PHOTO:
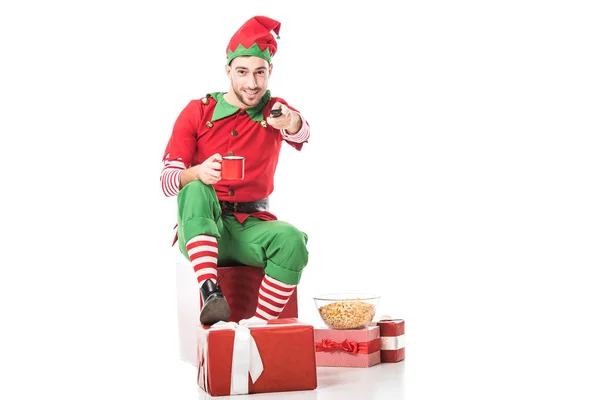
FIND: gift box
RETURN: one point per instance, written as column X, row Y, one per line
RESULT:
column 392, row 340
column 347, row 348
column 274, row 356
column 240, row 286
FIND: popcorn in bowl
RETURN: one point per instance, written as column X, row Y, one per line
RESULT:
column 347, row 310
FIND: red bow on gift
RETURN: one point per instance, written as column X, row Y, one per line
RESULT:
column 331, row 345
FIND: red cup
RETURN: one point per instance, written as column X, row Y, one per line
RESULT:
column 232, row 168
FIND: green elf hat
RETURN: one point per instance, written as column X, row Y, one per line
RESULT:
column 254, row 38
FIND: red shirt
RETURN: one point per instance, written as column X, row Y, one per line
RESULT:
column 202, row 130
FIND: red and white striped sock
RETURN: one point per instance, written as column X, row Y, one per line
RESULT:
column 272, row 298
column 203, row 252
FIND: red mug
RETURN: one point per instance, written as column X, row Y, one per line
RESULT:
column 232, row 168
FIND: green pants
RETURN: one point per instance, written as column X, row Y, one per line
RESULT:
column 277, row 246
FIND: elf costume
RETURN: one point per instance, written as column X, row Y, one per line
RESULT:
column 229, row 223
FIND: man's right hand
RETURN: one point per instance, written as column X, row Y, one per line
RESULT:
column 209, row 172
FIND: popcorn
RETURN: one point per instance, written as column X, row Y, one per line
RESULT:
column 347, row 314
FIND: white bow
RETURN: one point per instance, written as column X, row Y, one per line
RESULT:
column 246, row 357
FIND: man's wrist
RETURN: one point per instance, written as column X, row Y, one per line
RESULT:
column 295, row 125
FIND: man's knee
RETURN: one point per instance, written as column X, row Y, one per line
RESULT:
column 195, row 188
column 198, row 211
column 289, row 235
column 198, row 199
column 290, row 242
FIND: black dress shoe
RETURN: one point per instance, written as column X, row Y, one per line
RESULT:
column 214, row 304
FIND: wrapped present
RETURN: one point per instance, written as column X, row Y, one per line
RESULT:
column 240, row 285
column 347, row 348
column 392, row 340
column 256, row 357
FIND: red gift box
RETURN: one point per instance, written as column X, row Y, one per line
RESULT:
column 276, row 357
column 240, row 285
column 347, row 348
column 392, row 340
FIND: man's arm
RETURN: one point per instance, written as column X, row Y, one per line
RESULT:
column 187, row 176
column 292, row 125
column 170, row 177
column 180, row 149
column 295, row 125
column 209, row 172
column 175, row 177
column 300, row 135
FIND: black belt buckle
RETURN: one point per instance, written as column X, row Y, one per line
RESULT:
column 228, row 207
column 225, row 207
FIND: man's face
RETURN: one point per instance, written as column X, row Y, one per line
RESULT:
column 249, row 78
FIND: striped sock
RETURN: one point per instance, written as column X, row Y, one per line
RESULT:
column 272, row 298
column 203, row 252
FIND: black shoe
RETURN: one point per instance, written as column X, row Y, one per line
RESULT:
column 215, row 307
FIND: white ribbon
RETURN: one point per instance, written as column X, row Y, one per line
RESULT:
column 392, row 342
column 246, row 357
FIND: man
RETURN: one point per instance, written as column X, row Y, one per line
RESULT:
column 227, row 222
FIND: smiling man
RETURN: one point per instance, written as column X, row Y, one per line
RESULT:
column 227, row 222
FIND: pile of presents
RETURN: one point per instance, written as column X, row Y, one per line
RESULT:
column 245, row 356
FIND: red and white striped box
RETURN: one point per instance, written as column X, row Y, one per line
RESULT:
column 347, row 348
column 392, row 340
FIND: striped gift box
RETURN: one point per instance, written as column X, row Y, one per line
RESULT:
column 348, row 347
column 392, row 340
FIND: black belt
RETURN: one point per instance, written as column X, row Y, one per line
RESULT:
column 249, row 207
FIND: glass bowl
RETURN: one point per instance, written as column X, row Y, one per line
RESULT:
column 347, row 310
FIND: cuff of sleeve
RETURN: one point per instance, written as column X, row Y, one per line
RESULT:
column 282, row 274
column 300, row 136
column 171, row 180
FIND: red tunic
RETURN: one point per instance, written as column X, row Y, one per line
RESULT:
column 202, row 130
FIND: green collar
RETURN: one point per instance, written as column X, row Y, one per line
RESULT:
column 223, row 109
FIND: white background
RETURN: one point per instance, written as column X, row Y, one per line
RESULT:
column 452, row 168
